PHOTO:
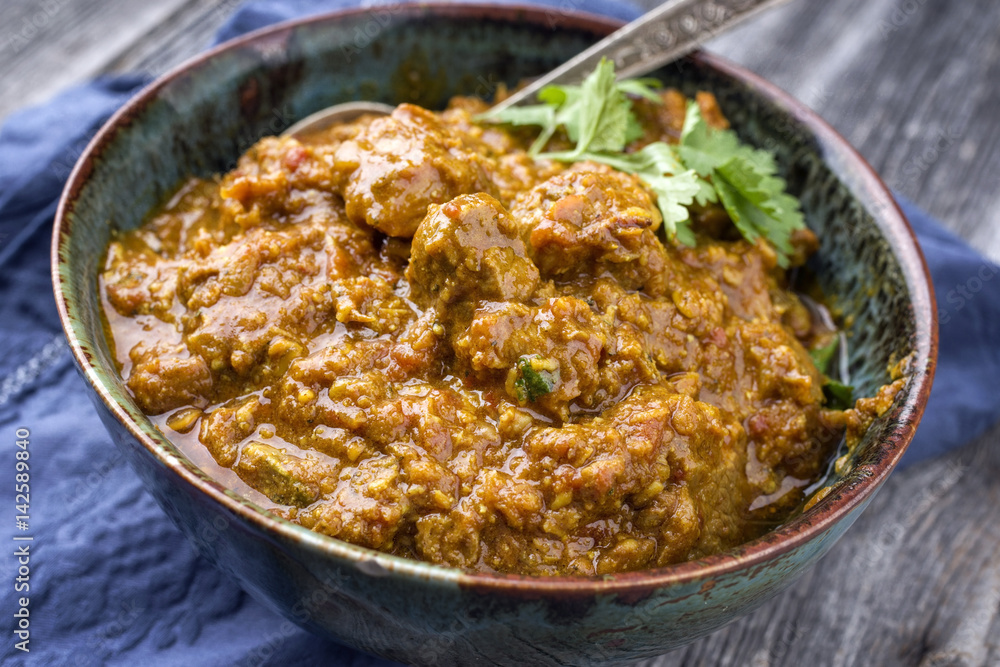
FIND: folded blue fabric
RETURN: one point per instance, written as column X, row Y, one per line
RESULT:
column 111, row 580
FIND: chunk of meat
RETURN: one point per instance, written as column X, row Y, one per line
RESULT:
column 226, row 427
column 278, row 176
column 409, row 333
column 367, row 505
column 469, row 248
column 137, row 282
column 590, row 362
column 629, row 489
column 710, row 111
column 744, row 274
column 401, row 164
column 587, row 216
column 283, row 478
column 670, row 328
column 166, row 376
column 510, row 167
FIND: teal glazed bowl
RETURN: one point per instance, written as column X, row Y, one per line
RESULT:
column 200, row 117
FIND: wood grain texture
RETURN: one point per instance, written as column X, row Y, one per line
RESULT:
column 910, row 83
column 913, row 85
column 47, row 45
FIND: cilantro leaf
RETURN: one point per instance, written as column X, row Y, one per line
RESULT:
column 702, row 148
column 596, row 115
column 838, row 395
column 656, row 157
column 634, row 130
column 743, row 179
column 532, row 383
column 707, row 166
column 542, row 115
column 673, row 195
column 822, row 356
column 536, row 114
column 758, row 205
column 565, row 101
column 602, row 126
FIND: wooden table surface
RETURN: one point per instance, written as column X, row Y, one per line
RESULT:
column 915, row 86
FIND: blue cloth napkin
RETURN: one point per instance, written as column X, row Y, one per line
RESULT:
column 111, row 580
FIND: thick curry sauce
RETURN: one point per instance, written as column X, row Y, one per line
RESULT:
column 406, row 333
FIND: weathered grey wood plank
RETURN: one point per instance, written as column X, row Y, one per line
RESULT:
column 912, row 84
column 184, row 33
column 47, row 45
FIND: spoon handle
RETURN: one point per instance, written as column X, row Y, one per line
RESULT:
column 657, row 37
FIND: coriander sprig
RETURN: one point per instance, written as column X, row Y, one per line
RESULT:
column 597, row 117
column 743, row 179
column 707, row 166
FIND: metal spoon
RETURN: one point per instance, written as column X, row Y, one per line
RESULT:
column 657, row 37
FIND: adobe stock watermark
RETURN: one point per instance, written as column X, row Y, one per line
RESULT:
column 899, row 16
column 961, row 294
column 85, row 487
column 101, row 641
column 308, row 606
column 23, row 539
column 890, row 536
column 788, row 634
column 380, row 16
column 918, row 165
column 208, row 532
column 554, row 16
column 30, row 27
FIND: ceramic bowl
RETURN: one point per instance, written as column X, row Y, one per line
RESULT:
column 200, row 117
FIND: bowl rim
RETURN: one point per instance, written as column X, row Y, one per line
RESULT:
column 853, row 491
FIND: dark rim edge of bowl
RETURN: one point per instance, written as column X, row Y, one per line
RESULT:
column 853, row 490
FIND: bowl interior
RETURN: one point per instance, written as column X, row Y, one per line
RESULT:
column 199, row 119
